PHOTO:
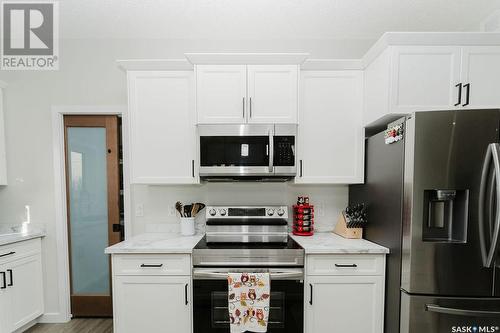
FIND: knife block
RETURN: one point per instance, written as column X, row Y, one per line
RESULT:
column 341, row 229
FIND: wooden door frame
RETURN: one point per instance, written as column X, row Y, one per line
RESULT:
column 63, row 314
column 93, row 305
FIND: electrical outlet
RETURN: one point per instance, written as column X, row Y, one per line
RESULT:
column 139, row 210
column 320, row 209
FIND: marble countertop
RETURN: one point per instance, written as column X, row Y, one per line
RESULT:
column 16, row 233
column 319, row 243
column 330, row 243
column 156, row 243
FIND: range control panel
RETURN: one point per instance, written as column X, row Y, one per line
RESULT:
column 247, row 212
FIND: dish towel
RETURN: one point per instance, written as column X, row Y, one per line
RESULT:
column 248, row 301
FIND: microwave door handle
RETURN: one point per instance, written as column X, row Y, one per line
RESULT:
column 271, row 151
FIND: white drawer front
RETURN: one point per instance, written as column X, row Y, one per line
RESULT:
column 20, row 249
column 151, row 264
column 345, row 264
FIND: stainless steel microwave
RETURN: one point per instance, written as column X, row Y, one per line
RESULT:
column 247, row 152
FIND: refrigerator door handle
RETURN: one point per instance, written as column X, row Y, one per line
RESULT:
column 492, row 153
column 460, row 312
column 482, row 199
column 495, row 153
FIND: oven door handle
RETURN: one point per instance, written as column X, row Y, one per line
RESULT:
column 221, row 275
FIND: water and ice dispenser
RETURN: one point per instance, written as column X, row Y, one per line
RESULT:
column 445, row 215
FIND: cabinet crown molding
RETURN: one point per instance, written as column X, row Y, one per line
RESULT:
column 430, row 39
column 246, row 58
column 155, row 65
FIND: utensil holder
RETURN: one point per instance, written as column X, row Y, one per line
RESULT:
column 341, row 229
column 187, row 226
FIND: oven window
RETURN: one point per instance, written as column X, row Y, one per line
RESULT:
column 220, row 312
column 211, row 307
column 234, row 151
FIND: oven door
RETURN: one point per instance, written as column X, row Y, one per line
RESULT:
column 210, row 304
column 236, row 150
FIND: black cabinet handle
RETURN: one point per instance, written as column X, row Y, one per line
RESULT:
column 459, row 94
column 346, row 265
column 467, row 94
column 311, row 296
column 7, row 254
column 152, row 265
column 192, row 168
column 4, row 281
column 300, row 168
column 11, row 280
column 186, row 294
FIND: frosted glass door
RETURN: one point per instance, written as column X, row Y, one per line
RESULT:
column 92, row 181
column 88, row 210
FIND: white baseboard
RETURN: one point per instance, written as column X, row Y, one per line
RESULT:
column 54, row 318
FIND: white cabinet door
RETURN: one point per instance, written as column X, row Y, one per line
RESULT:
column 162, row 132
column 221, row 92
column 331, row 136
column 272, row 93
column 353, row 304
column 424, row 78
column 3, row 162
column 481, row 69
column 22, row 300
column 152, row 304
column 5, row 302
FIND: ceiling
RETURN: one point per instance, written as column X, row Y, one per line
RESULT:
column 267, row 19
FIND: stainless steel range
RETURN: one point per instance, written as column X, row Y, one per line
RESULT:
column 248, row 239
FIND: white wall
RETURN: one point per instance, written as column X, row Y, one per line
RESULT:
column 88, row 76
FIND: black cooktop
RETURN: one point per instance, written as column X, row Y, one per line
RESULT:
column 291, row 244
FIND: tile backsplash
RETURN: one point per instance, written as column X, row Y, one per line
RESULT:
column 153, row 206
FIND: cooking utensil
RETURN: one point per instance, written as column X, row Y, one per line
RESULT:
column 187, row 211
column 178, row 207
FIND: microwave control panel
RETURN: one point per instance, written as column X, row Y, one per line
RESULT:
column 284, row 150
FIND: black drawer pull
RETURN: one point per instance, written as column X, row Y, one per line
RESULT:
column 11, row 283
column 152, row 265
column 186, row 294
column 4, row 281
column 7, row 254
column 346, row 265
column 311, row 298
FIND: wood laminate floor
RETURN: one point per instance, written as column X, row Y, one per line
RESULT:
column 78, row 325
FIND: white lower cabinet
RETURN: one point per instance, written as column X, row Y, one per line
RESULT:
column 151, row 298
column 350, row 299
column 21, row 284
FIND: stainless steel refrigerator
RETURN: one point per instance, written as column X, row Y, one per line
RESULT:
column 434, row 199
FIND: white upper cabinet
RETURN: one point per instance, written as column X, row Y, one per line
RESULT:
column 228, row 94
column 331, row 135
column 272, row 93
column 162, row 129
column 3, row 161
column 424, row 77
column 436, row 72
column 480, row 76
column 221, row 92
